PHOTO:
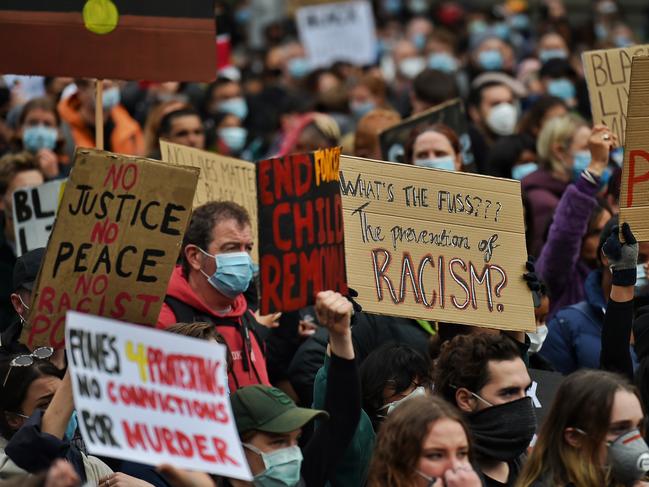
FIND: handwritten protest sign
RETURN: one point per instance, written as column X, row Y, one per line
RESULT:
column 437, row 245
column 34, row 211
column 394, row 140
column 114, row 244
column 119, row 39
column 608, row 72
column 222, row 178
column 300, row 229
column 634, row 192
column 152, row 397
column 328, row 31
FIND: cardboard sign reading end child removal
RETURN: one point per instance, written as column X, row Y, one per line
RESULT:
column 114, row 244
column 435, row 245
column 634, row 192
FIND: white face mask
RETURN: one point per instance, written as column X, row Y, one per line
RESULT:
column 502, row 119
column 537, row 338
column 410, row 67
column 391, row 406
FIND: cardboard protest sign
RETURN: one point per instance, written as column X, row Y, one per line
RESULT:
column 394, row 140
column 159, row 40
column 329, row 31
column 114, row 244
column 152, row 397
column 544, row 387
column 607, row 73
column 434, row 244
column 34, row 211
column 634, row 192
column 222, row 178
column 300, row 229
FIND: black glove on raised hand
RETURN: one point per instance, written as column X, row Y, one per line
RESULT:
column 622, row 256
column 534, row 282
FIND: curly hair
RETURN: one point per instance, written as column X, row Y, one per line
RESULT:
column 399, row 442
column 463, row 362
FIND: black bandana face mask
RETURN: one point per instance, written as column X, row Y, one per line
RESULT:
column 504, row 432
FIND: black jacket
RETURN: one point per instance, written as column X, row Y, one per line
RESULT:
column 368, row 333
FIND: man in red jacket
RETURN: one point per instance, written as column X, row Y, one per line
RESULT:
column 208, row 286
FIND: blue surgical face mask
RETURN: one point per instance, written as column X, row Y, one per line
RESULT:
column 111, row 98
column 447, row 163
column 235, row 106
column 617, row 156
column 519, row 171
column 392, row 7
column 546, row 54
column 562, row 88
column 233, row 273
column 419, row 40
column 299, row 67
column 622, row 41
column 39, row 137
column 580, row 161
column 233, row 137
column 501, row 30
column 362, row 108
column 282, row 467
column 491, row 60
column 520, row 22
column 72, row 427
column 442, row 61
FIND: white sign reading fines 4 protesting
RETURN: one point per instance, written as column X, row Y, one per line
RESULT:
column 152, row 397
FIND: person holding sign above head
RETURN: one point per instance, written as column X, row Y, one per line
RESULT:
column 436, row 147
column 210, row 283
column 270, row 424
column 485, row 377
column 16, row 171
column 121, row 132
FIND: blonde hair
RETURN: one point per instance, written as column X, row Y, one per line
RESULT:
column 561, row 131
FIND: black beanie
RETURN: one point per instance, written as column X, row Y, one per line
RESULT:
column 641, row 332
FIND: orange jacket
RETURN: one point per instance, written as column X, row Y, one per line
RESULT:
column 126, row 137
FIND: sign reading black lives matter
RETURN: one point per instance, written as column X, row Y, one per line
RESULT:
column 300, row 229
column 394, row 140
column 434, row 244
column 114, row 243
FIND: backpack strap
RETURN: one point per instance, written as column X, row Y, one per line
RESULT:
column 183, row 312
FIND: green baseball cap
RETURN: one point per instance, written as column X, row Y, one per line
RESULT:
column 268, row 409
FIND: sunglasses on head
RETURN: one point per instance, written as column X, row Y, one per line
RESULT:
column 41, row 353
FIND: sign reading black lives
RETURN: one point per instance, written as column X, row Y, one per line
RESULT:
column 302, row 249
column 394, row 140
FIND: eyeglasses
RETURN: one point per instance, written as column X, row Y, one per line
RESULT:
column 41, row 353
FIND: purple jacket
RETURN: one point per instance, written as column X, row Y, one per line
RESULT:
column 542, row 192
column 559, row 264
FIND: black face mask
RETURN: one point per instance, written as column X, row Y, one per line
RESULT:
column 504, row 432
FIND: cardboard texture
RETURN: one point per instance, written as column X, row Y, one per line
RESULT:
column 114, row 244
column 157, row 40
column 607, row 73
column 133, row 386
column 221, row 178
column 327, row 31
column 634, row 192
column 394, row 140
column 34, row 212
column 302, row 247
column 436, row 245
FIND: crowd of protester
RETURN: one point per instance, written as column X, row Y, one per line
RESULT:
column 332, row 395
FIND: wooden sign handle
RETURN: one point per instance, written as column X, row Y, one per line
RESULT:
column 99, row 114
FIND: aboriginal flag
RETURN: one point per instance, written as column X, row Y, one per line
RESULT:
column 158, row 40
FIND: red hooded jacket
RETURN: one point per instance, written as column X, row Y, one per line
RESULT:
column 248, row 362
